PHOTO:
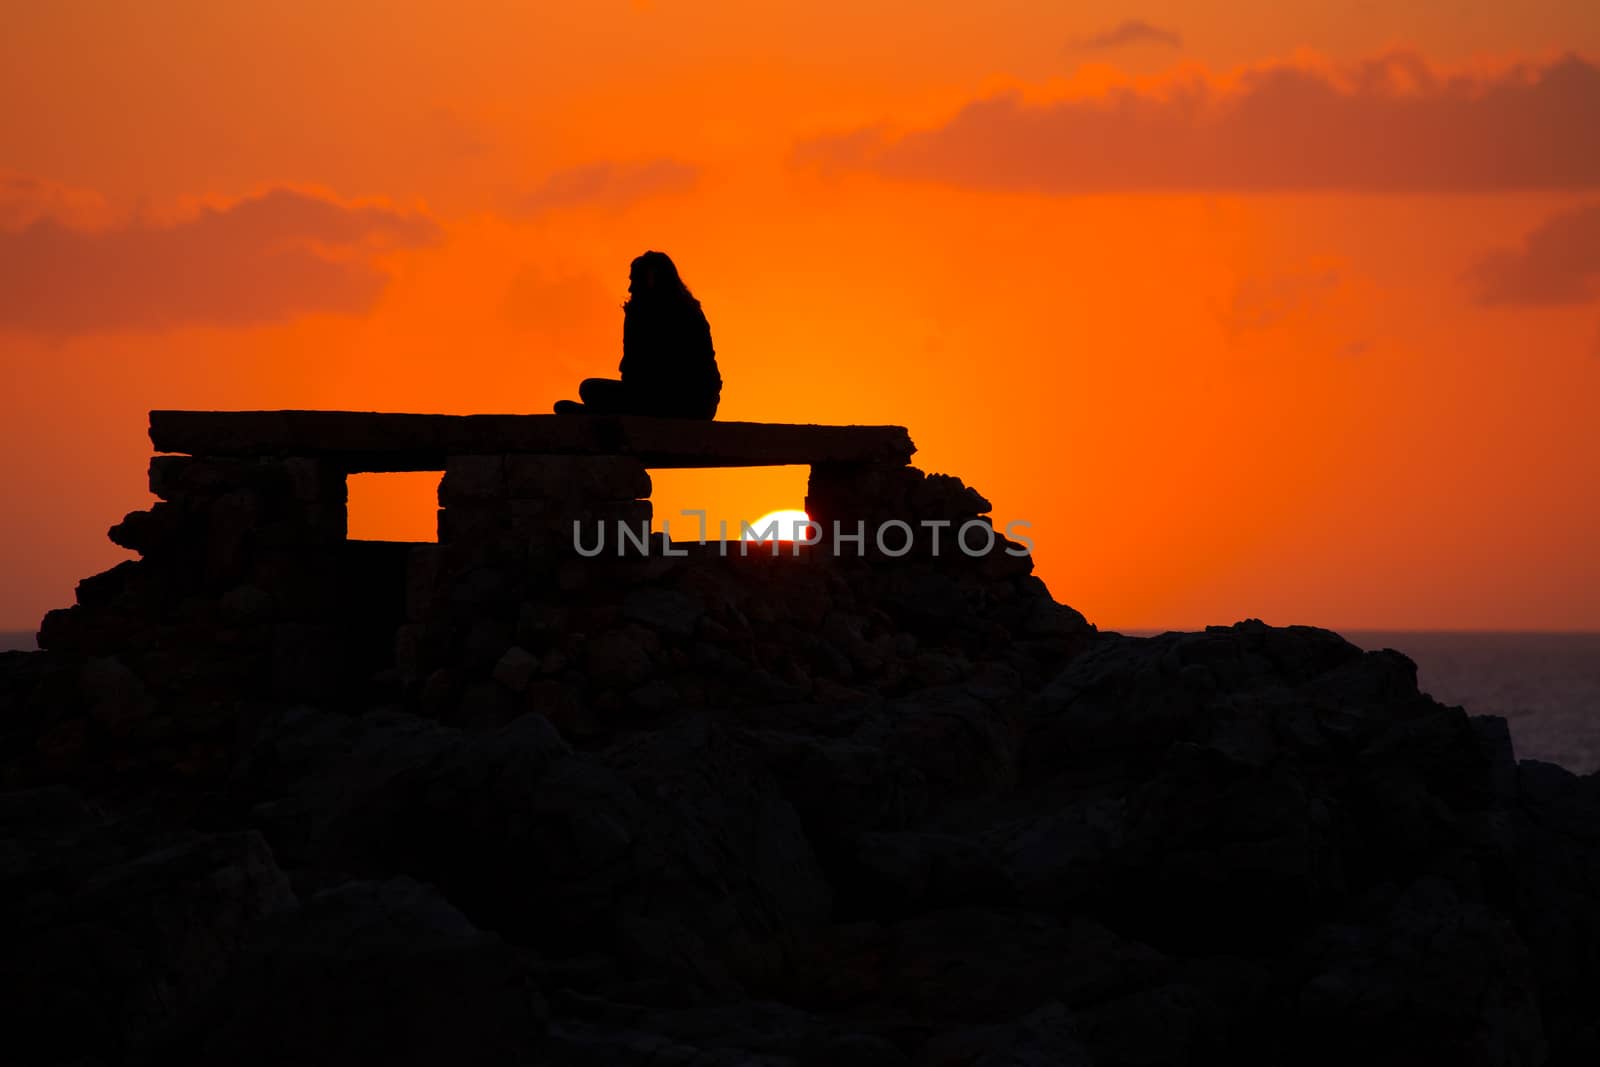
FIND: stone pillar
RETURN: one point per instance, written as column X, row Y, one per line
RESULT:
column 530, row 502
column 851, row 493
column 923, row 513
column 235, row 597
column 473, row 646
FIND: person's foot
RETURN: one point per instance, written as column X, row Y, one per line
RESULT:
column 568, row 407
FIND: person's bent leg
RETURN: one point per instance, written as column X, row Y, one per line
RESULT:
column 606, row 396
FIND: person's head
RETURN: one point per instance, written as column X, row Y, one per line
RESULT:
column 654, row 276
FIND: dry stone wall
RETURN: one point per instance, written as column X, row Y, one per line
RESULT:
column 545, row 591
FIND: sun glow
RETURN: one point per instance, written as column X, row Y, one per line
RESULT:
column 784, row 525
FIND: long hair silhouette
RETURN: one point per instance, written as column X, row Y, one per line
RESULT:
column 669, row 367
column 654, row 275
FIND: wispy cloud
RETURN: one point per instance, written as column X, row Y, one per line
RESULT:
column 1261, row 301
column 1389, row 125
column 610, row 183
column 264, row 258
column 1557, row 263
column 1125, row 33
column 25, row 199
column 1323, row 297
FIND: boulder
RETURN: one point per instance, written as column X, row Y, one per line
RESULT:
column 369, row 972
column 114, row 929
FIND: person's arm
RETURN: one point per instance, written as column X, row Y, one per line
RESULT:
column 630, row 343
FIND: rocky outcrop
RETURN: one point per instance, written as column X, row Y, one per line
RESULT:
column 367, row 972
column 115, row 927
column 743, row 809
column 1253, row 843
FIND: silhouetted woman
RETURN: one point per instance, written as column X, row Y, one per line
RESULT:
column 668, row 365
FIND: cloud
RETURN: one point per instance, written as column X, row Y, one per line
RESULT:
column 1388, row 125
column 265, row 258
column 1557, row 263
column 1128, row 32
column 447, row 133
column 26, row 199
column 610, row 183
column 1262, row 301
column 566, row 314
column 1318, row 305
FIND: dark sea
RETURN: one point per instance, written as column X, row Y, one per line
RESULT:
column 1546, row 685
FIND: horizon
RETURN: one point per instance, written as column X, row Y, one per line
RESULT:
column 1148, row 631
column 1091, row 258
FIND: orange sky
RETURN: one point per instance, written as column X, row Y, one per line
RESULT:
column 1251, row 308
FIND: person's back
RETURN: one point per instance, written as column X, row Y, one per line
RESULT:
column 669, row 367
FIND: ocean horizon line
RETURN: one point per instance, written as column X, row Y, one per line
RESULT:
column 25, row 638
column 1139, row 631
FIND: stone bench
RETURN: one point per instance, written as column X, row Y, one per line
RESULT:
column 378, row 441
column 245, row 559
column 517, row 476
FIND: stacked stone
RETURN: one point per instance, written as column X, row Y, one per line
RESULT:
column 236, row 595
column 243, row 540
column 885, row 501
column 485, row 606
column 529, row 503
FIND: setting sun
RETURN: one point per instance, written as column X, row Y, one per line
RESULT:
column 785, row 525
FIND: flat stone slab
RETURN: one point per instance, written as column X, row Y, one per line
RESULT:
column 370, row 441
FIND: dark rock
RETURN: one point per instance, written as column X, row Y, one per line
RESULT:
column 103, row 588
column 971, row 965
column 472, row 478
column 890, row 874
column 681, row 827
column 732, row 806
column 718, row 844
column 147, row 532
column 1556, row 823
column 1056, row 862
column 1216, row 855
column 516, row 668
column 1045, row 1037
column 620, row 657
column 1432, row 976
column 1213, row 1009
column 246, row 604
column 369, row 972
column 955, row 740
column 735, row 1034
column 112, row 930
column 666, row 610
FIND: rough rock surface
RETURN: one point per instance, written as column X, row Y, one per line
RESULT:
column 1254, row 843
column 274, row 798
